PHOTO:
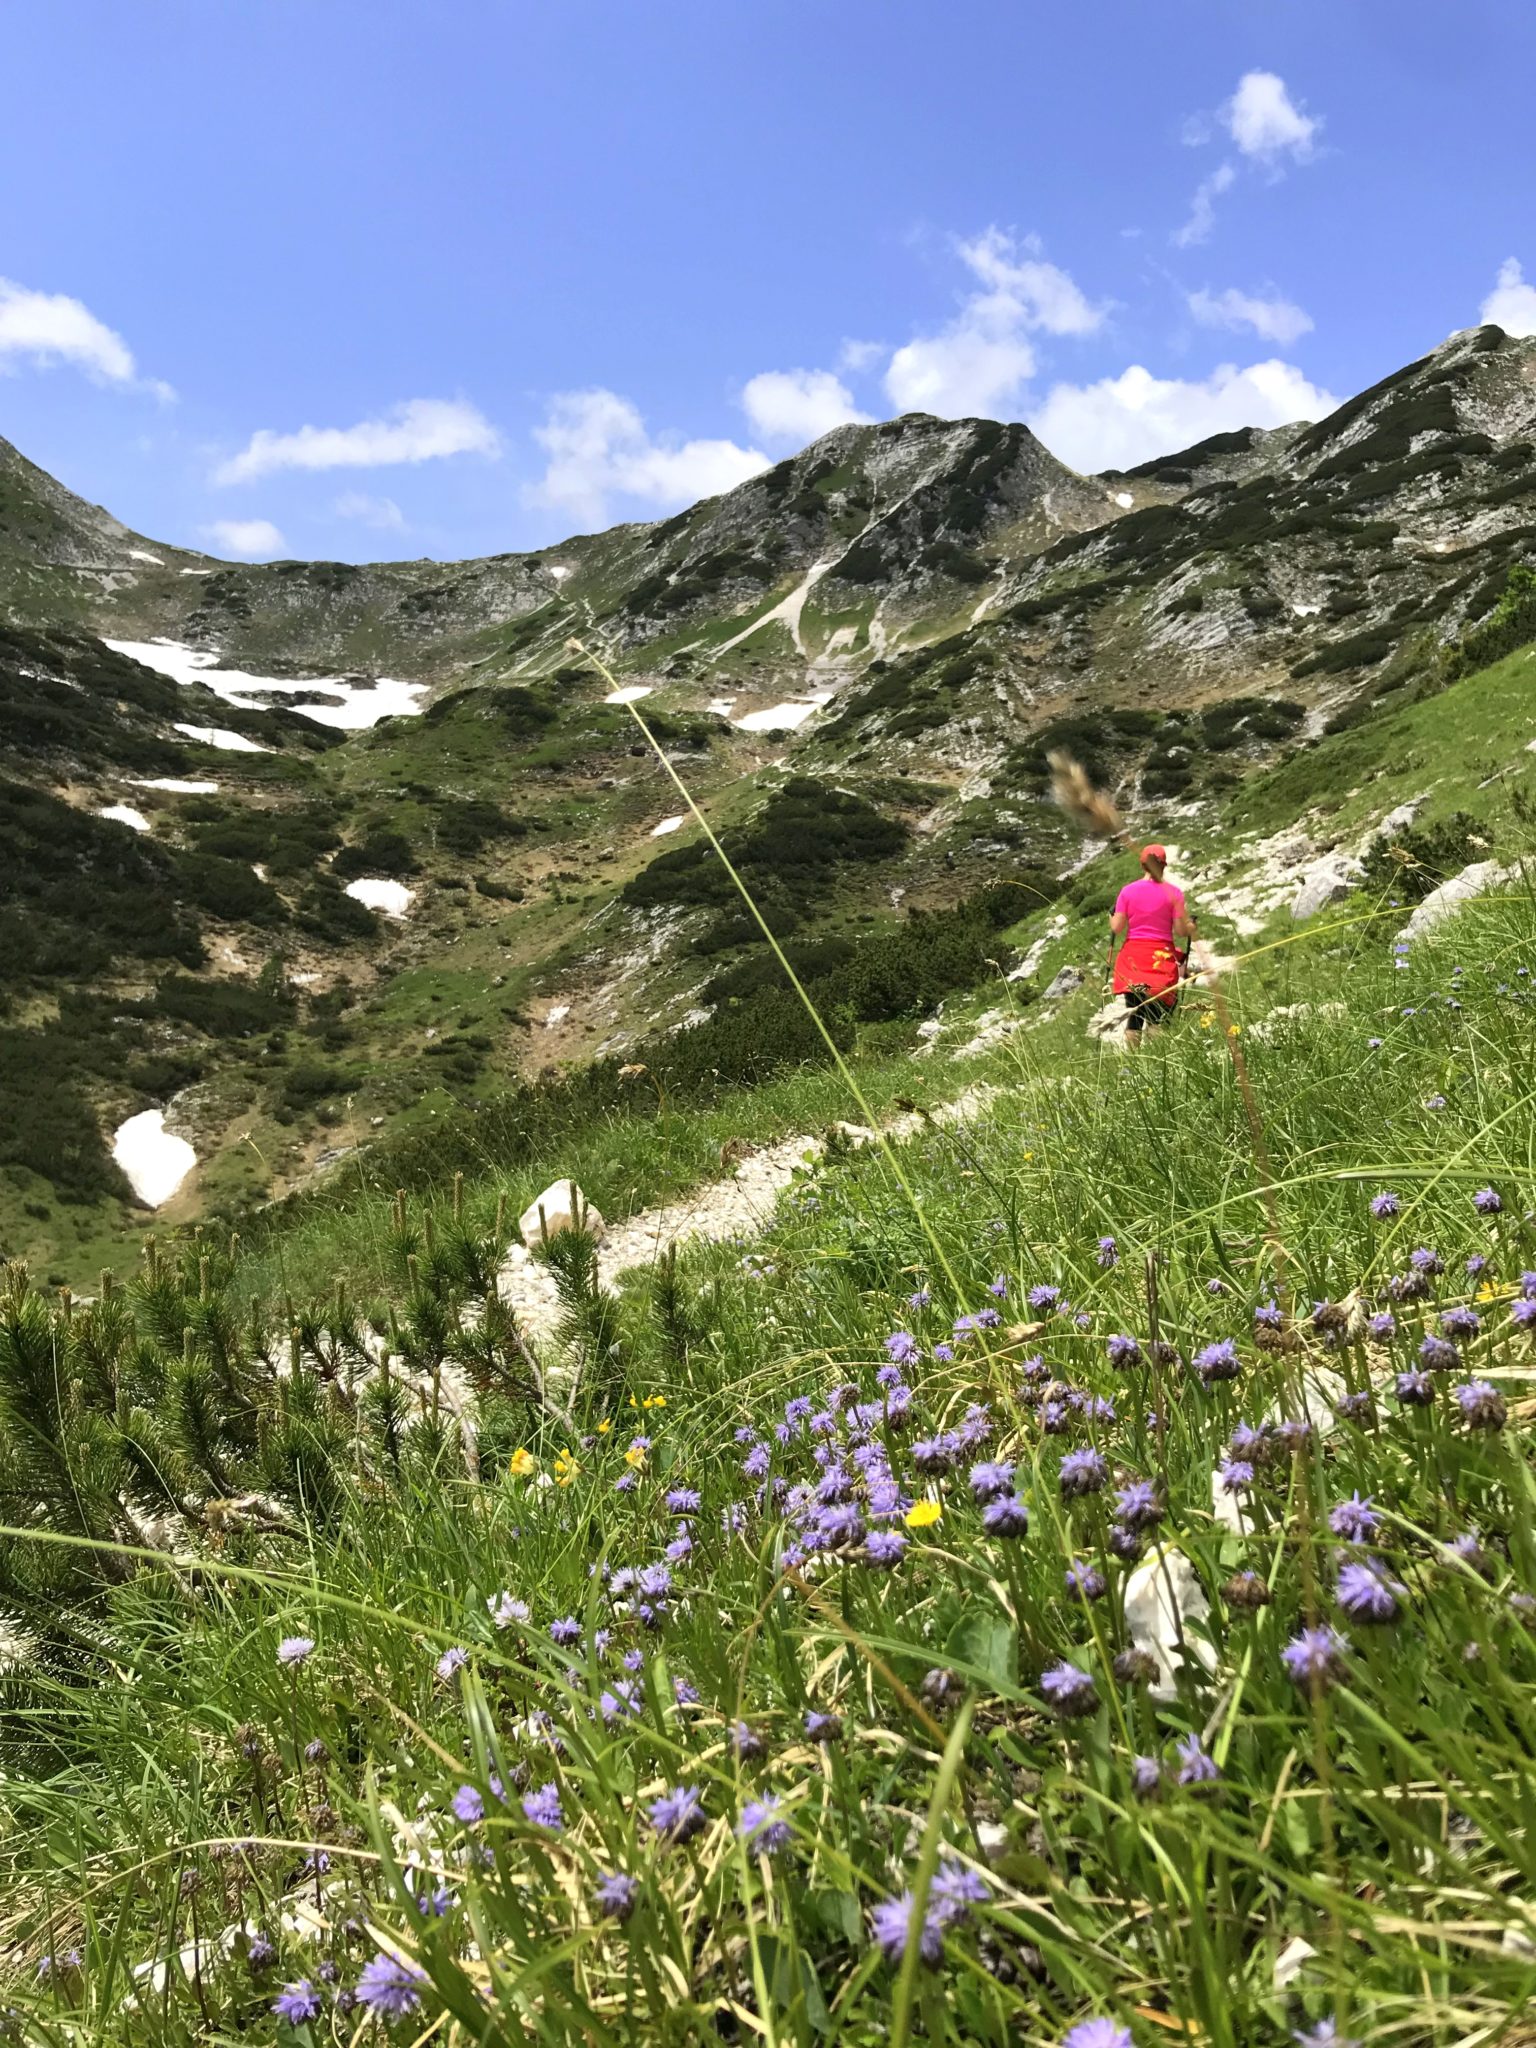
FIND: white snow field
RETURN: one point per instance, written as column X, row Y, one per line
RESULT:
column 155, row 1161
column 174, row 785
column 630, row 694
column 776, row 718
column 217, row 736
column 359, row 705
column 668, row 825
column 393, row 898
column 125, row 814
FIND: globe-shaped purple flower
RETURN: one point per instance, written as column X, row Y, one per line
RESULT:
column 1481, row 1404
column 1315, row 1660
column 1070, row 1692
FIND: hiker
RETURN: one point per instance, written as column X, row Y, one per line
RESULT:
column 1149, row 916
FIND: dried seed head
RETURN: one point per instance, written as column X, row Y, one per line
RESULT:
column 1074, row 793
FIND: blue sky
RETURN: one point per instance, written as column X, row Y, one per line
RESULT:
column 323, row 278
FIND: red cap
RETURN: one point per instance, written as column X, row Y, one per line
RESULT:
column 1157, row 853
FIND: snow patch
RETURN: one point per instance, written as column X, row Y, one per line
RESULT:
column 196, row 572
column 393, row 898
column 216, row 736
column 175, row 785
column 631, row 693
column 1124, row 500
column 125, row 814
column 155, row 1161
column 1306, row 611
column 358, row 706
column 143, row 555
column 557, row 1015
column 557, row 572
column 777, row 718
column 668, row 825
column 722, row 706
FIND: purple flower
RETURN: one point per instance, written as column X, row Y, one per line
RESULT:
column 1109, row 1252
column 1364, row 1595
column 297, row 2004
column 1426, row 1261
column 755, row 1464
column 294, row 1649
column 1386, row 1204
column 1069, row 1691
column 259, row 1954
column 565, row 1632
column 1124, row 1352
column 1461, row 1322
column 920, row 1299
column 1382, row 1327
column 1487, row 1202
column 1235, row 1474
column 1086, row 1581
column 467, row 1804
column 934, row 1454
column 1314, row 1660
column 390, row 1988
column 1481, row 1405
column 1044, row 1297
column 617, row 1895
column 504, row 1610
column 680, row 1549
column 943, row 1354
column 955, row 1890
column 903, row 1348
column 1415, row 1389
column 1138, row 1506
column 1082, row 1471
column 1438, row 1354
column 452, row 1660
column 998, row 1287
column 841, row 1528
column 1100, row 2033
column 823, row 1727
column 654, row 1581
column 678, row 1816
column 684, row 1500
column 1006, row 1516
column 1146, row 1776
column 1324, row 2035
column 764, row 1828
column 746, row 1742
column 1215, row 1287
column 1522, row 1313
column 685, row 1694
column 884, row 1547
column 1124, row 1543
column 1354, row 1519
column 990, row 1480
column 1195, row 1767
column 1218, row 1361
column 891, row 1922
column 543, row 1807
column 1475, row 1265
column 1267, row 1316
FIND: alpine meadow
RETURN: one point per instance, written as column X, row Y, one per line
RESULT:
column 631, row 1413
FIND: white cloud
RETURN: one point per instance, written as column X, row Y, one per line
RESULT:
column 598, row 446
column 1047, row 296
column 1265, row 122
column 798, row 405
column 1120, row 421
column 1512, row 302
column 44, row 328
column 370, row 511
column 858, row 356
column 248, row 540
column 1274, row 318
column 1202, row 208
column 421, row 430
column 980, row 362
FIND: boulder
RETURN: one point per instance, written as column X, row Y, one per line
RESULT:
column 1324, row 882
column 1443, row 902
column 564, row 1207
column 1067, row 982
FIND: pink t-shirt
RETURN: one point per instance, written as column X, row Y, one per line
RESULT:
column 1151, row 908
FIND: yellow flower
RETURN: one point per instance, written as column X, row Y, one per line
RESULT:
column 521, row 1463
column 566, row 1468
column 604, row 1427
column 635, row 1456
column 1234, row 1031
column 1207, row 1019
column 654, row 1401
column 923, row 1514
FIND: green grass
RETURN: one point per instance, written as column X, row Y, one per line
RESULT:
column 162, row 1779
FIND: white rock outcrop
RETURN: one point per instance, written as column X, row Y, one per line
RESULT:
column 1325, row 881
column 1443, row 902
column 1163, row 1598
column 562, row 1206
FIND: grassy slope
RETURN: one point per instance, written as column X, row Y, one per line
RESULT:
column 1324, row 1825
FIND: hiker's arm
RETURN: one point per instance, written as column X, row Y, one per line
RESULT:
column 1184, row 926
column 1118, row 922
